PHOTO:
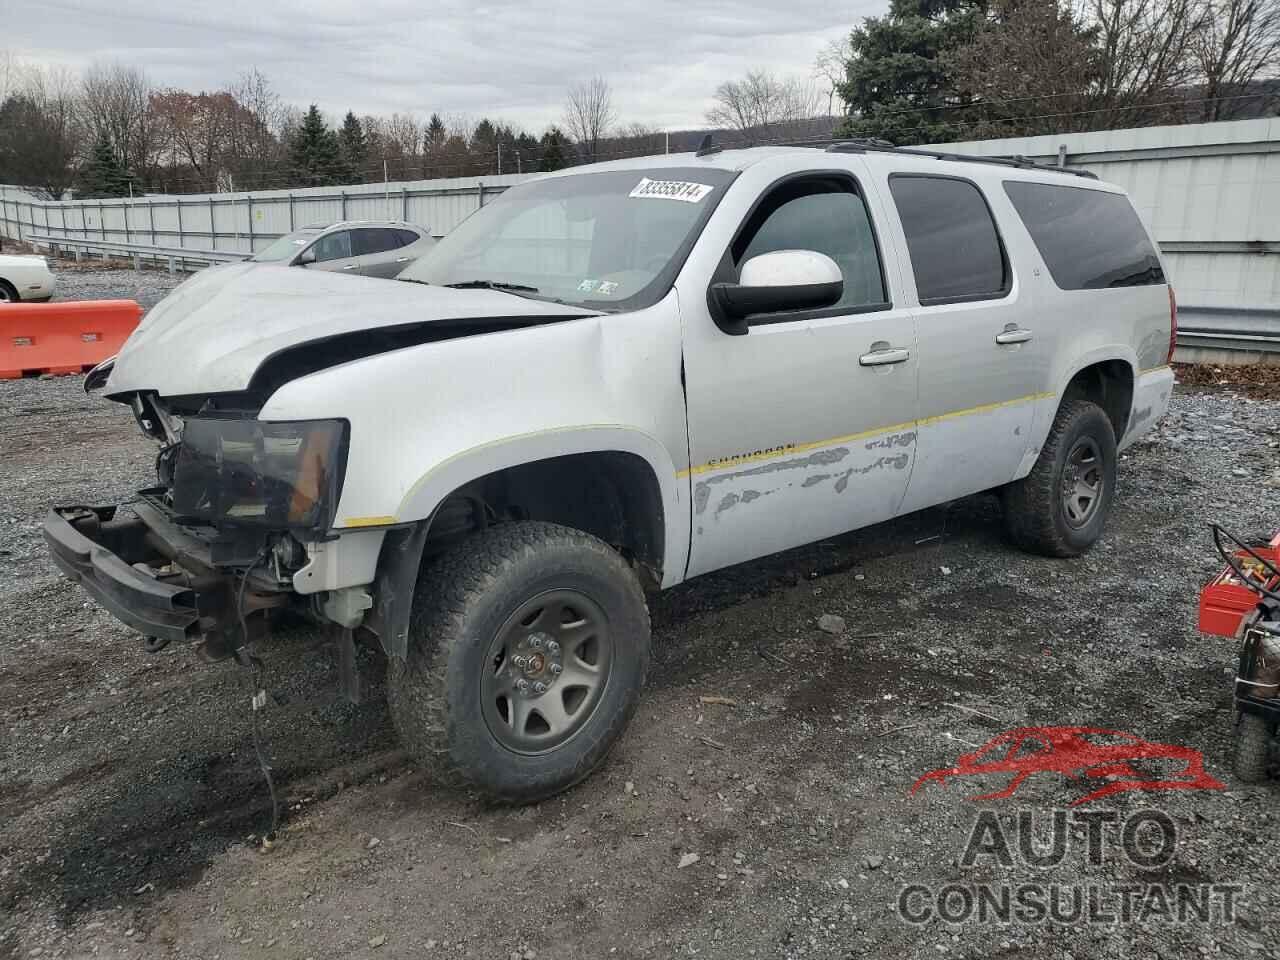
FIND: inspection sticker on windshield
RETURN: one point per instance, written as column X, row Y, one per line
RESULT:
column 683, row 190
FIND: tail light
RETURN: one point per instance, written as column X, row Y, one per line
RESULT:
column 1173, row 324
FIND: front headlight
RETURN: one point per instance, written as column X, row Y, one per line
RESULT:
column 279, row 475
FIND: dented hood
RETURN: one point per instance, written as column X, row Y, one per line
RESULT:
column 213, row 332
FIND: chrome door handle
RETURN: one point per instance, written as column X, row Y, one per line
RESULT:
column 350, row 266
column 403, row 259
column 878, row 358
column 1013, row 336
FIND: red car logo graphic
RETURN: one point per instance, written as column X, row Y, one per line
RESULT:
column 1077, row 753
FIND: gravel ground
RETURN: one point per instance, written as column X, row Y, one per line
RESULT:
column 129, row 795
column 86, row 281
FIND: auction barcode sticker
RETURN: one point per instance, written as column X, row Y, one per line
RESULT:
column 683, row 190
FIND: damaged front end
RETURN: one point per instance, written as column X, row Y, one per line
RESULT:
column 238, row 508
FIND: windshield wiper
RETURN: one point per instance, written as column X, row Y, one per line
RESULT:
column 492, row 285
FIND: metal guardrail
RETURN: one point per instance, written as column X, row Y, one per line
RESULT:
column 1230, row 329
column 178, row 258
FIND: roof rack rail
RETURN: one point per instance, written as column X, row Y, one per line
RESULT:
column 873, row 145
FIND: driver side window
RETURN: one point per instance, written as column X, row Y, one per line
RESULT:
column 826, row 215
column 334, row 246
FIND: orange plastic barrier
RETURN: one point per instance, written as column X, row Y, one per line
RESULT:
column 62, row 338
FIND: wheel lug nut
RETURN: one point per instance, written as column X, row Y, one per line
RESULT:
column 553, row 647
column 539, row 687
column 556, row 668
column 535, row 642
column 522, row 685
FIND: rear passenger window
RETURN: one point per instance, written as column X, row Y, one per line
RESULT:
column 825, row 215
column 1088, row 238
column 371, row 240
column 954, row 245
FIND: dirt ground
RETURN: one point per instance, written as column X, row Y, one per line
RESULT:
column 131, row 803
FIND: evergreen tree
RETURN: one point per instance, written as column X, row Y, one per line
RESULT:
column 354, row 148
column 436, row 133
column 103, row 175
column 314, row 153
column 897, row 85
column 555, row 150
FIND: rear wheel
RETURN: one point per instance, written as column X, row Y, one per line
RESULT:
column 1061, row 506
column 528, row 648
column 1253, row 737
column 8, row 294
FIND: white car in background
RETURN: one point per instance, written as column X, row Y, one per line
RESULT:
column 25, row 278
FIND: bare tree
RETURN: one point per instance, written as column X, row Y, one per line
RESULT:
column 1033, row 69
column 39, row 136
column 257, row 132
column 114, row 106
column 1146, row 57
column 761, row 105
column 589, row 114
column 640, row 140
column 829, row 69
column 1237, row 44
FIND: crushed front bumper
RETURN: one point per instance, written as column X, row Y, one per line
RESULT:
column 152, row 574
column 94, row 547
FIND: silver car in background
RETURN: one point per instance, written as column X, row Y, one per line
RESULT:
column 371, row 248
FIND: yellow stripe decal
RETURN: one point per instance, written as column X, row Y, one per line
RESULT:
column 367, row 521
column 1157, row 369
column 850, row 437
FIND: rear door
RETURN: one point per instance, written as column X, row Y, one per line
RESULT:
column 381, row 250
column 982, row 368
column 335, row 253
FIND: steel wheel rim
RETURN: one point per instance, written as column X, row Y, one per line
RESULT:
column 1083, row 483
column 545, row 671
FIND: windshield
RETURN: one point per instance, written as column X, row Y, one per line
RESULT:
column 285, row 248
column 609, row 241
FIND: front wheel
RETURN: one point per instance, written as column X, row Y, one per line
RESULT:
column 528, row 648
column 1061, row 506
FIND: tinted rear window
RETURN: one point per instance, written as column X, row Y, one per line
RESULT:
column 954, row 246
column 1088, row 238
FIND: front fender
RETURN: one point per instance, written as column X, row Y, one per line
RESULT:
column 428, row 419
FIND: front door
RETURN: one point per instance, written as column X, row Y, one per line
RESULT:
column 335, row 253
column 804, row 426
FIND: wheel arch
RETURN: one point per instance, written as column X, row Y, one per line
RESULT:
column 618, row 485
column 1106, row 379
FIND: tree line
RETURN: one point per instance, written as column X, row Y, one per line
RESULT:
column 926, row 71
column 110, row 132
column 932, row 71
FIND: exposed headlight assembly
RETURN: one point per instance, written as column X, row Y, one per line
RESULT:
column 252, row 473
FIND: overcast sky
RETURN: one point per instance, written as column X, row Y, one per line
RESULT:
column 515, row 61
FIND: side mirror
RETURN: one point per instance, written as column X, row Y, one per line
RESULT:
column 782, row 281
column 306, row 257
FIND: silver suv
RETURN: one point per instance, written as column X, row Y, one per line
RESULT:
column 609, row 380
column 372, row 248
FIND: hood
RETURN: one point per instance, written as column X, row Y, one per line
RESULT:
column 212, row 333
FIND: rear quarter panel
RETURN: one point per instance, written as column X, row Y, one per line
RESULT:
column 1084, row 327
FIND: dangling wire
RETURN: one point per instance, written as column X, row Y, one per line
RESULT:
column 258, row 696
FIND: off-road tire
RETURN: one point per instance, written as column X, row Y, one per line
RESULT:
column 1034, row 515
column 461, row 602
column 1253, row 738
